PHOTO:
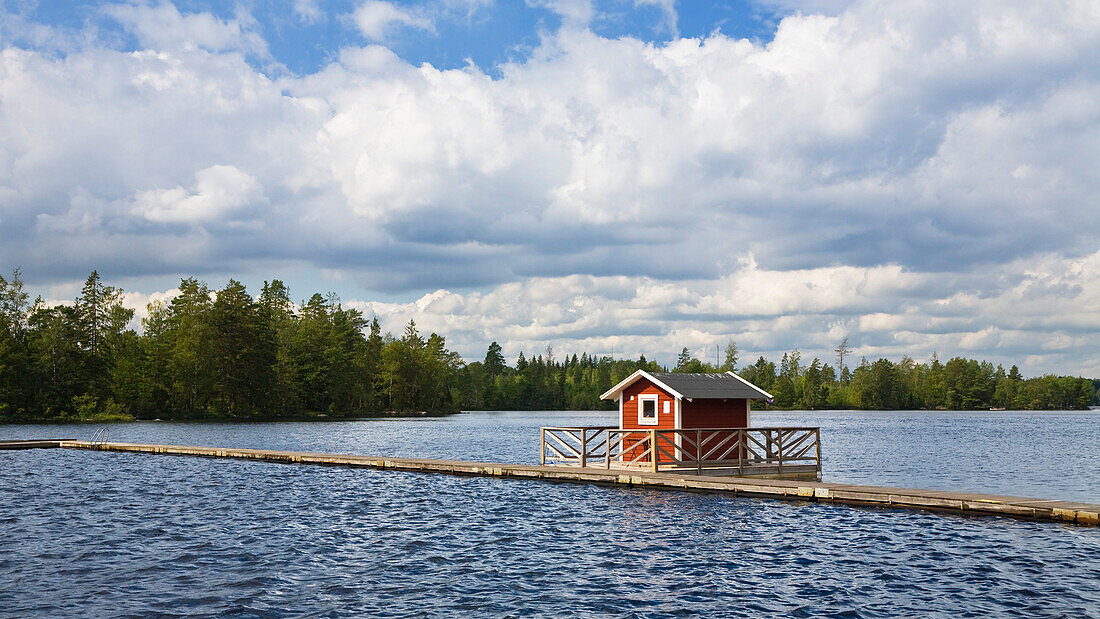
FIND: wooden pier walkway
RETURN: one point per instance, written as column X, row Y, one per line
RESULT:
column 966, row 503
column 31, row 444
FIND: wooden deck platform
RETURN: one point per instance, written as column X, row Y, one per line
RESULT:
column 965, row 503
column 788, row 452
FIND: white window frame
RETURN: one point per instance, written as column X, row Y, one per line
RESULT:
column 642, row 399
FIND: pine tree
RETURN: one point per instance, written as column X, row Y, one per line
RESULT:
column 15, row 385
column 494, row 360
column 682, row 360
column 101, row 319
column 190, row 336
column 243, row 353
column 730, row 363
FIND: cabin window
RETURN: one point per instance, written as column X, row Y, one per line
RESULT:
column 647, row 410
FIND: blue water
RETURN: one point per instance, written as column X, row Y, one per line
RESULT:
column 108, row 534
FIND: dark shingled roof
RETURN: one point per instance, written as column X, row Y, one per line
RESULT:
column 707, row 385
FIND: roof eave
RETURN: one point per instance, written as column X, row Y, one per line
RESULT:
column 614, row 392
column 762, row 392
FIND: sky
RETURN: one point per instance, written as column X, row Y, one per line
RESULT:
column 617, row 177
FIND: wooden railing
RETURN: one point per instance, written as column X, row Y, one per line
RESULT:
column 733, row 451
column 579, row 446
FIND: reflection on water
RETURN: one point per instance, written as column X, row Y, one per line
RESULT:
column 105, row 534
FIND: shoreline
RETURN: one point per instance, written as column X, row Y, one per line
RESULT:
column 243, row 420
column 425, row 415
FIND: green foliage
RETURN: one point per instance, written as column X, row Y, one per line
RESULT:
column 494, row 360
column 87, row 408
column 686, row 362
column 15, row 358
column 212, row 355
column 57, row 369
column 243, row 354
column 576, row 383
column 730, row 363
column 229, row 355
column 960, row 384
column 543, row 383
column 13, row 305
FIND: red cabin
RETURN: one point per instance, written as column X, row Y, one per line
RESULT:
column 672, row 401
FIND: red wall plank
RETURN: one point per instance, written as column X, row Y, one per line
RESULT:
column 732, row 413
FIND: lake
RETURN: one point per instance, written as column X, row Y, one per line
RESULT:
column 128, row 534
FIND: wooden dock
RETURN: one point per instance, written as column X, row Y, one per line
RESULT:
column 964, row 503
column 32, row 444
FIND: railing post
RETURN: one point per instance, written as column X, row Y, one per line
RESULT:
column 779, row 449
column 653, row 448
column 817, row 448
column 542, row 446
column 742, row 446
column 607, row 452
column 584, row 447
column 698, row 452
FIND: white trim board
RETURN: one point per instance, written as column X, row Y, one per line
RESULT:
column 629, row 380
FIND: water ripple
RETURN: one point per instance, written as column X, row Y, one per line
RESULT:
column 94, row 534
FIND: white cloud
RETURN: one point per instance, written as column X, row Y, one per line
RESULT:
column 574, row 13
column 308, row 11
column 883, row 311
column 163, row 27
column 139, row 302
column 376, row 18
column 220, row 193
column 919, row 173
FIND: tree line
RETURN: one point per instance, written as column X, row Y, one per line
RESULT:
column 228, row 355
column 207, row 354
column 543, row 383
column 958, row 384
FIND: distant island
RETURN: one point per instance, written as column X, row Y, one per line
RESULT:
column 229, row 355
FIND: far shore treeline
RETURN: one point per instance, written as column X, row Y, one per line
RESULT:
column 228, row 355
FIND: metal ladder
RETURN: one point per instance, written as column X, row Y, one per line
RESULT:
column 100, row 437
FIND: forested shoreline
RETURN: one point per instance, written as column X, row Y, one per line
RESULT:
column 228, row 355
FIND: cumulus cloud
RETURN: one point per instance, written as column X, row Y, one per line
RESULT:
column 1007, row 314
column 898, row 170
column 376, row 18
column 220, row 193
column 163, row 27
